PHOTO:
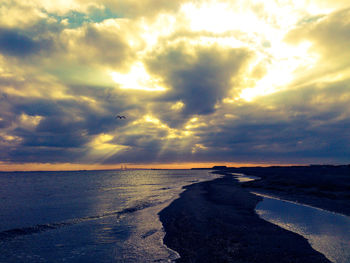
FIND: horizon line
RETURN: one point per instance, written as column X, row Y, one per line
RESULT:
column 48, row 167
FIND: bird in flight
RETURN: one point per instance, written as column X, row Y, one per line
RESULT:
column 120, row 117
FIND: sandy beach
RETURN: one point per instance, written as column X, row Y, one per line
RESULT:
column 215, row 222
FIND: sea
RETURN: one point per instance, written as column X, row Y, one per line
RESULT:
column 88, row 216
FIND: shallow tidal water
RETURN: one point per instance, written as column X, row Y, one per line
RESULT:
column 88, row 216
column 327, row 232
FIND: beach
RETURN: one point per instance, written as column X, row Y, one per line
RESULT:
column 156, row 215
column 215, row 221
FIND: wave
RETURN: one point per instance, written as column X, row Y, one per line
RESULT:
column 16, row 232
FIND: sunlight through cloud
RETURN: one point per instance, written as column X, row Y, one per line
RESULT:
column 193, row 78
column 281, row 72
column 137, row 79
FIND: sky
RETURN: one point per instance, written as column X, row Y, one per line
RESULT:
column 200, row 82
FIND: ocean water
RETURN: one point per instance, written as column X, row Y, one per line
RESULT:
column 88, row 216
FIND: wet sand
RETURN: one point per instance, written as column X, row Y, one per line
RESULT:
column 215, row 221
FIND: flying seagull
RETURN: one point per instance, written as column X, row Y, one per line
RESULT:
column 120, row 117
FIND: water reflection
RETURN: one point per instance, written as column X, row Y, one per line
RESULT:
column 245, row 178
column 327, row 232
column 88, row 216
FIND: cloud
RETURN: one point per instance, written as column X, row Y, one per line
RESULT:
column 300, row 126
column 59, row 97
column 199, row 78
column 58, row 125
column 14, row 43
column 329, row 35
column 102, row 43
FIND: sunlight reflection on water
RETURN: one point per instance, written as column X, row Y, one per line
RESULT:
column 327, row 232
column 245, row 178
column 88, row 216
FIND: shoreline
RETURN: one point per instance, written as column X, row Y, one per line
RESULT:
column 324, row 187
column 215, row 221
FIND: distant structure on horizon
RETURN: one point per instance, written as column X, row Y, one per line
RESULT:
column 123, row 167
column 219, row 167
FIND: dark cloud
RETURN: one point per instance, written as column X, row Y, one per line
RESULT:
column 44, row 155
column 91, row 45
column 65, row 128
column 60, row 139
column 300, row 129
column 32, row 106
column 199, row 80
column 108, row 45
column 308, row 127
column 14, row 43
column 5, row 112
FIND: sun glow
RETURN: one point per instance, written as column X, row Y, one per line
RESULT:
column 177, row 106
column 199, row 17
column 281, row 71
column 102, row 142
column 137, row 79
column 240, row 24
column 225, row 18
column 172, row 133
